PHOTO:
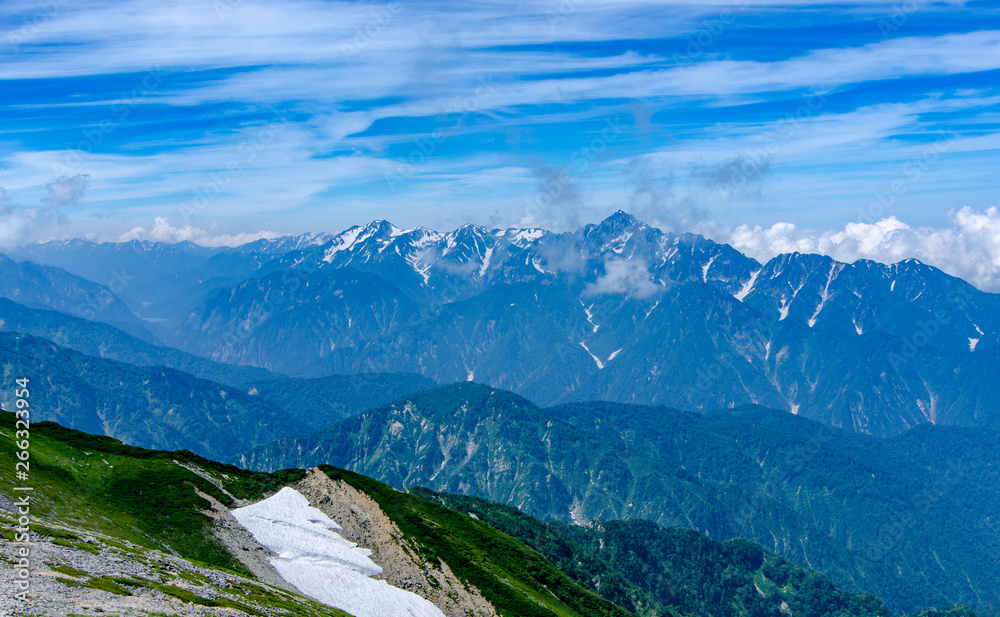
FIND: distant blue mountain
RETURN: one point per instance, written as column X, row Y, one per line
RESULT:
column 49, row 287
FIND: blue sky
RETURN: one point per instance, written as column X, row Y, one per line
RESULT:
column 228, row 117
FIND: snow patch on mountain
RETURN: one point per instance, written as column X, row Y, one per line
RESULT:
column 590, row 316
column 523, row 238
column 486, row 261
column 783, row 309
column 618, row 244
column 824, row 295
column 975, row 341
column 705, row 268
column 655, row 304
column 323, row 565
column 423, row 269
column 343, row 242
column 748, row 286
column 597, row 360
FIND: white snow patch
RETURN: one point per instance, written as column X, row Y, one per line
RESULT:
column 783, row 309
column 893, row 286
column 470, row 376
column 825, row 294
column 857, row 328
column 975, row 341
column 613, row 355
column 650, row 310
column 704, row 269
column 794, row 408
column 486, row 261
column 597, row 360
column 424, row 270
column 426, row 237
column 322, row 564
column 747, row 287
column 343, row 242
column 527, row 236
column 618, row 244
column 590, row 316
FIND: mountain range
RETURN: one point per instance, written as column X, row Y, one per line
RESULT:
column 616, row 311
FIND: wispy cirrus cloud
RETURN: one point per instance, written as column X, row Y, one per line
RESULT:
column 364, row 90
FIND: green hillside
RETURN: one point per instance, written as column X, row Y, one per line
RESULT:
column 910, row 518
column 651, row 569
column 135, row 499
column 516, row 579
column 320, row 401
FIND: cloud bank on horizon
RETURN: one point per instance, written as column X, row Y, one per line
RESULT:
column 857, row 129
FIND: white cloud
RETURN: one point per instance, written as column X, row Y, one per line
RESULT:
column 14, row 222
column 19, row 223
column 626, row 277
column 67, row 190
column 163, row 231
column 969, row 249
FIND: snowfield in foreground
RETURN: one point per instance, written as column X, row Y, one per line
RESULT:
column 322, row 564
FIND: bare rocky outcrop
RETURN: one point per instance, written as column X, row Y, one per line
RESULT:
column 61, row 577
column 365, row 523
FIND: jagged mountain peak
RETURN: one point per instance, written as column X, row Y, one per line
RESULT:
column 620, row 217
column 382, row 229
column 617, row 232
column 617, row 223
